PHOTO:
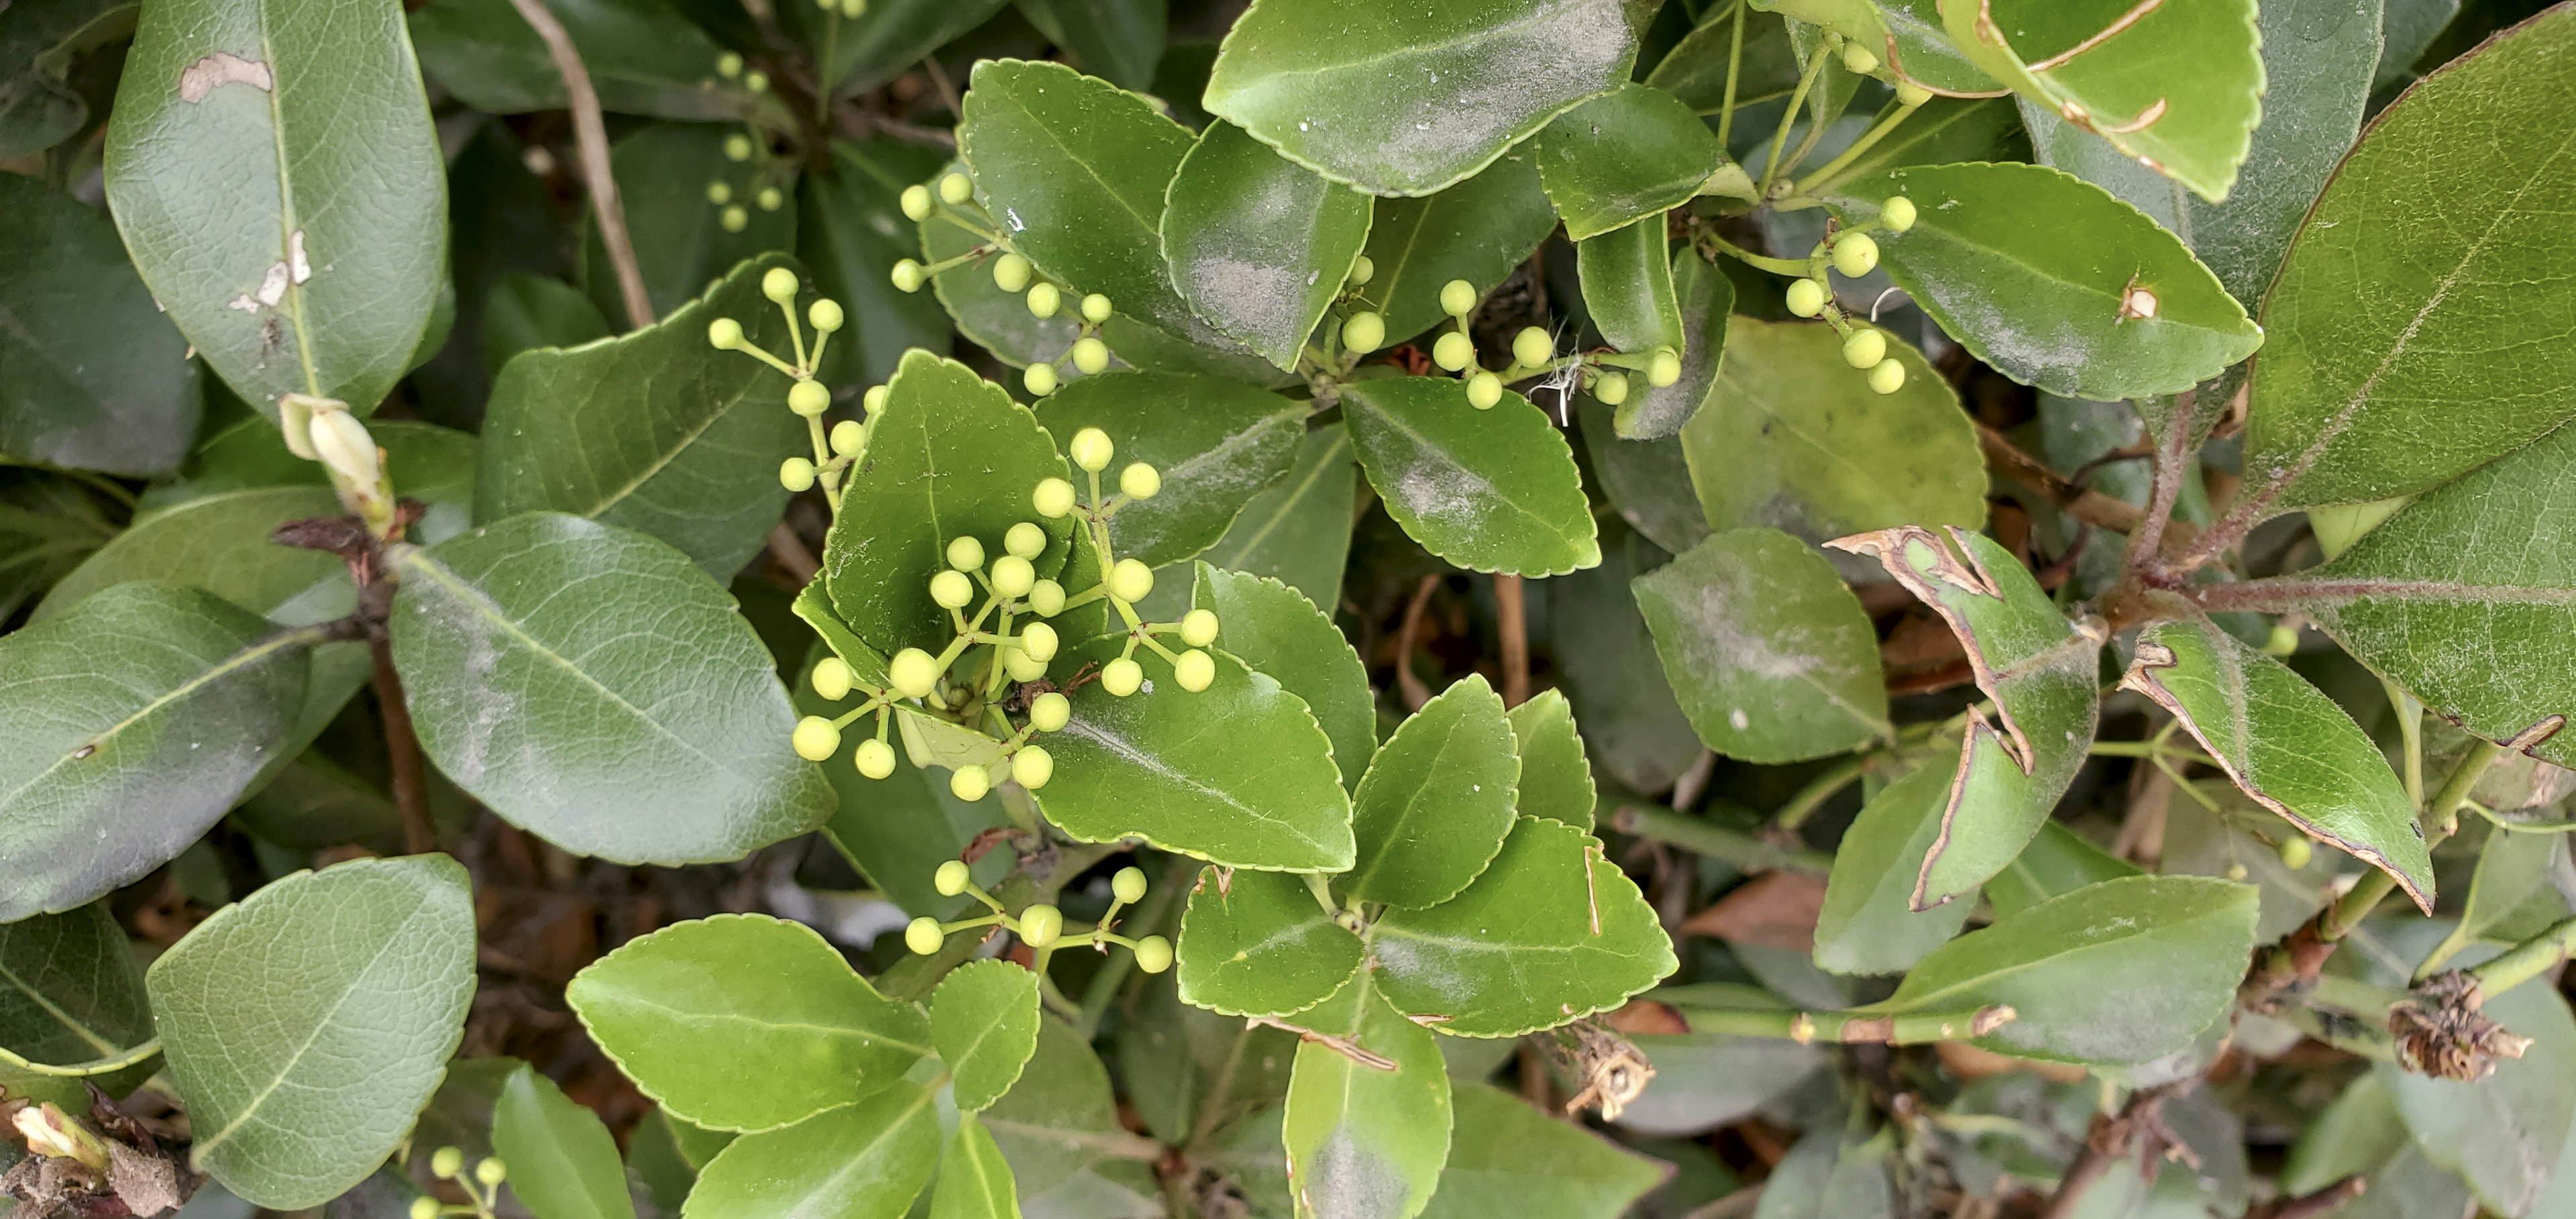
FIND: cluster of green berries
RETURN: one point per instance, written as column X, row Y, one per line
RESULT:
column 846, row 441
column 448, row 1163
column 1859, row 60
column 765, row 190
column 1124, row 582
column 849, row 10
column 1605, row 374
column 954, row 200
column 1040, row 926
column 1854, row 253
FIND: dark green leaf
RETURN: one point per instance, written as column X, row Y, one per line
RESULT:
column 664, row 172
column 998, row 321
column 1556, row 779
column 1905, row 35
column 850, row 231
column 1260, row 944
column 984, row 1020
column 1622, row 157
column 1627, row 278
column 2503, row 1133
column 1822, row 1177
column 274, row 172
column 307, row 1025
column 526, row 311
column 889, row 38
column 1771, row 656
column 1707, row 1079
column 1944, row 131
column 1184, row 1066
column 1437, row 800
column 563, row 1162
column 1366, row 1137
column 1696, row 69
column 1276, row 632
column 41, row 88
column 1607, row 659
column 643, row 57
column 1117, row 40
column 1648, row 481
column 1059, row 1130
column 2057, row 862
column 1507, row 1158
column 71, row 1007
column 92, row 377
column 1869, row 924
column 1492, row 490
column 1217, row 443
column 974, row 1181
column 1257, row 244
column 862, row 1161
column 1704, row 296
column 1480, row 230
column 1299, row 531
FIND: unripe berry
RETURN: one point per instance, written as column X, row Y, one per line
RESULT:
column 1021, row 667
column 1888, row 377
column 1040, row 379
column 873, row 402
column 1090, row 355
column 1198, row 628
column 1012, row 576
column 816, row 739
column 1457, row 298
column 1363, row 269
column 1857, row 59
column 1664, row 367
column 779, row 285
column 1039, row 641
column 734, row 219
column 1897, row 213
column 1050, row 711
column 1484, row 390
column 923, row 936
column 1363, row 331
column 1195, row 670
column 1128, row 886
column 952, row 590
column 965, row 553
column 824, row 314
column 737, row 147
column 491, row 1171
column 1532, row 347
column 2283, row 641
column 1047, row 598
column 848, row 438
column 852, row 10
column 1122, row 677
column 956, row 188
column 1153, row 954
column 809, row 398
column 1130, row 580
column 1044, row 299
column 1864, row 348
column 916, row 203
column 1095, row 309
column 1806, row 298
column 2236, row 871
column 796, row 474
column 908, row 276
column 875, row 759
column 1855, row 254
column 2296, row 853
column 1011, row 273
column 1611, row 388
column 1053, row 498
column 1140, row 481
column 424, row 1207
column 1025, row 540
column 449, row 1161
column 719, row 193
column 912, row 673
column 952, row 878
column 832, row 678
column 1040, row 925
column 728, row 66
column 1092, row 449
column 1910, row 94
column 757, row 82
column 1453, row 351
column 1032, row 766
column 970, row 783
column 724, row 334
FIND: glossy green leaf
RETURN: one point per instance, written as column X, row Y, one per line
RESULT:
column 1550, row 932
column 274, row 172
column 1606, row 658
column 663, row 172
column 1480, row 230
column 2057, row 862
column 974, row 1181
column 1366, row 1137
column 984, row 1020
column 1696, row 68
column 1905, row 35
column 92, row 377
column 862, row 1161
column 850, row 231
column 653, row 431
column 1259, row 944
column 643, row 58
column 2038, row 667
column 2392, row 373
column 1793, row 438
column 2039, row 274
column 998, row 321
column 1217, row 443
column 71, row 1007
column 2119, row 972
column 890, row 38
column 1437, row 800
column 1704, row 296
column 1492, row 490
column 1869, row 924
column 1116, row 40
column 2113, row 68
column 2503, row 1134
column 1275, row 631
column 1507, row 1158
column 949, row 455
column 1556, row 778
column 2287, row 746
column 1771, row 656
column 1170, row 766
column 1628, row 290
column 1059, row 1129
column 527, row 311
column 563, row 1162
column 1298, row 532
column 1622, row 157
column 593, row 687
column 144, row 696
column 1409, row 101
column 700, row 1015
column 1257, row 244
column 307, row 1025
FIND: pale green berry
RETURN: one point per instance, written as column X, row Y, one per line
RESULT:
column 832, row 678
column 873, row 401
column 908, row 276
column 952, row 590
column 1855, row 254
column 1888, row 377
column 1806, row 298
column 1897, row 214
column 2283, row 641
column 1198, row 628
column 1195, row 670
column 769, row 199
column 1011, row 273
column 956, row 188
column 1022, row 667
column 1090, row 355
column 1047, row 598
column 1910, row 94
column 969, row 783
column 734, row 219
column 1092, row 449
column 1122, row 677
column 447, row 1161
column 923, row 936
column 1484, row 390
column 1013, row 577
column 1130, row 580
column 1611, row 388
column 1664, row 367
column 824, row 314
column 1040, row 925
column 1039, row 641
column 1044, row 299
column 424, row 1207
column 719, row 193
column 916, row 202
column 848, row 437
column 796, row 474
column 1140, row 481
column 1362, row 332
column 1053, row 498
column 912, row 673
column 1128, row 886
column 724, row 334
column 737, row 147
column 1363, row 270
column 952, row 878
column 809, row 398
column 1457, row 298
column 1032, row 766
column 728, row 66
column 2296, row 853
column 965, row 553
column 1453, row 351
column 875, row 759
column 1050, row 711
column 1532, row 347
column 1864, row 348
column 1041, row 379
column 1857, row 59
column 852, row 10
column 491, row 1171
column 1153, row 954
column 1025, row 539
column 816, row 739
column 2236, row 872
column 757, row 82
column 1095, row 309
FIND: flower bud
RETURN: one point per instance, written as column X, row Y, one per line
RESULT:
column 1855, row 254
column 952, row 878
column 1050, row 711
column 1888, row 377
column 1806, row 298
column 1090, row 355
column 1664, row 367
column 832, row 678
column 1864, row 348
column 1032, row 766
column 1153, row 954
column 1095, row 309
column 424, row 1207
column 824, row 314
column 875, row 759
column 916, row 203
column 1011, row 273
column 970, row 783
column 809, row 398
column 491, row 1171
column 965, row 553
column 1484, row 390
column 816, row 739
column 1131, row 581
column 908, row 276
column 956, row 188
column 1013, row 577
column 1021, row 667
column 1128, row 886
column 2296, row 853
column 737, row 147
column 728, row 66
column 779, row 285
column 1457, row 298
column 1092, row 449
column 796, row 474
column 724, row 334
column 923, row 936
column 952, row 590
column 1611, row 388
column 1857, row 59
column 1140, row 481
column 447, row 1161
column 1044, row 299
column 1195, row 670
column 1040, row 379
column 848, row 437
column 1453, row 351
column 1363, row 332
column 345, row 448
column 1053, row 498
column 1910, row 94
column 734, row 219
column 1047, row 598
column 872, row 403
column 1025, row 539
column 756, row 81
column 1041, row 925
column 1198, row 628
column 912, row 673
column 719, row 192
column 1532, row 347
column 1122, row 677
column 1897, row 214
column 1039, row 641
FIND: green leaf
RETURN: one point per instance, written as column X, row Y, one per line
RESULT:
column 1946, row 130
column 144, row 697
column 1622, row 157
column 1770, row 654
column 47, row 45
column 1407, row 102
column 1647, row 481
column 1437, row 800
column 1906, row 35
column 974, row 1181
column 663, row 172
column 1298, row 532
column 1059, row 1129
column 1174, row 768
column 2120, row 972
column 1706, row 1079
column 1117, row 40
column 1628, row 290
column 563, row 1162
column 1795, row 439
column 653, row 431
column 1824, row 1178
column 850, row 231
column 1217, row 443
column 1606, row 657
column 2039, row 668
column 643, row 58
column 2287, row 746
column 1696, row 69
column 2038, row 272
column 1556, row 779
column 432, row 464
column 307, row 1025
column 2503, row 1134
column 1507, row 1158
column 862, row 1161
column 526, row 311
column 2057, row 862
column 1704, row 295
column 1493, row 490
column 1275, row 631
column 2361, row 1132
column 1260, row 944
column 1366, row 1137
column 92, row 377
column 700, row 1013
column 1480, row 230
column 594, row 688
column 274, row 172
column 998, row 321
column 2392, row 373
column 1258, row 245
column 1869, row 924
column 71, row 1007
column 949, row 455
column 2112, row 68
column 890, row 38
column 1550, row 932
column 1184, row 1066
column 984, row 1020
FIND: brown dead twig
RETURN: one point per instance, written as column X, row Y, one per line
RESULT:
column 590, row 134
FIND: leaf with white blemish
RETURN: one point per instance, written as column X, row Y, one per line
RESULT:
column 2037, row 666
column 1367, row 1124
column 1492, row 490
column 1258, row 244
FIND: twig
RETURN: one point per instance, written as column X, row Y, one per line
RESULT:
column 2083, row 503
column 2109, row 1140
column 2166, row 490
column 402, row 748
column 947, row 89
column 1414, row 691
column 2314, row 1205
column 1702, row 837
column 791, row 553
column 590, row 133
column 1512, row 613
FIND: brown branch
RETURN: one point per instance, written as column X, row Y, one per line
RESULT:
column 1406, row 682
column 2083, row 503
column 2171, row 467
column 2314, row 1205
column 947, row 89
column 791, row 553
column 590, row 133
column 402, row 746
column 2110, row 1139
column 1512, row 614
